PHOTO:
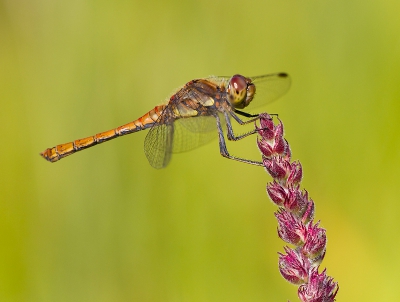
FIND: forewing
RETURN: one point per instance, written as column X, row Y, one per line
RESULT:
column 269, row 88
column 158, row 145
column 190, row 133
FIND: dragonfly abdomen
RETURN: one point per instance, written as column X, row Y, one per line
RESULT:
column 60, row 151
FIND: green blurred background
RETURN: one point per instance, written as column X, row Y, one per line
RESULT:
column 103, row 225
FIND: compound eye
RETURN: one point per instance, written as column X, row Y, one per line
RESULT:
column 238, row 83
column 237, row 90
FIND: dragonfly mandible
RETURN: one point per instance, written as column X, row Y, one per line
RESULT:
column 190, row 117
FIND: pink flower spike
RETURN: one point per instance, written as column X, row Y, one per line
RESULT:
column 295, row 217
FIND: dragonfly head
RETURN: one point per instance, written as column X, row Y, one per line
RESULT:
column 240, row 91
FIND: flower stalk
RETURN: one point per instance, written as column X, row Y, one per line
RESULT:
column 298, row 265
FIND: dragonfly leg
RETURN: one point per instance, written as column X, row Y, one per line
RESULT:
column 248, row 115
column 231, row 135
column 224, row 151
column 245, row 114
column 252, row 117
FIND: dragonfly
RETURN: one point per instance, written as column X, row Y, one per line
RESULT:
column 190, row 117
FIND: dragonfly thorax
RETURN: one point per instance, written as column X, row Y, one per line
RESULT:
column 240, row 91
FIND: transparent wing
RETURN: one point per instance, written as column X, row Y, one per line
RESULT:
column 269, row 87
column 158, row 145
column 190, row 133
column 183, row 135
